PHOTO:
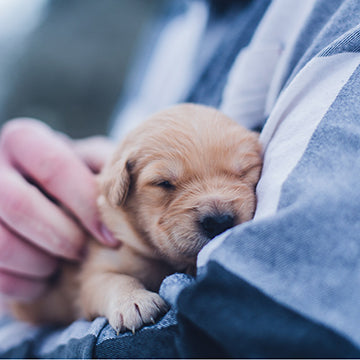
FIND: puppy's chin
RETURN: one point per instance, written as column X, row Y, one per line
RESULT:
column 180, row 251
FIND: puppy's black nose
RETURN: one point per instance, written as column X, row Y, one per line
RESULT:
column 213, row 225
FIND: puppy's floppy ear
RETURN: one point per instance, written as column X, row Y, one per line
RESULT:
column 115, row 181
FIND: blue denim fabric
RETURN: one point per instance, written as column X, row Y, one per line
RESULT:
column 85, row 339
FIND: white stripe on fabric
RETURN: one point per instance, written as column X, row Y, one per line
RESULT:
column 204, row 254
column 294, row 119
column 303, row 11
column 169, row 73
column 257, row 74
column 290, row 127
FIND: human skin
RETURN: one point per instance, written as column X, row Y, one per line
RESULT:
column 47, row 203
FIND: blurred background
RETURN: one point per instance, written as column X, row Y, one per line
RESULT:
column 64, row 61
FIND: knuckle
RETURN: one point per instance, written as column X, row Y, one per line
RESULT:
column 18, row 126
column 50, row 167
column 14, row 205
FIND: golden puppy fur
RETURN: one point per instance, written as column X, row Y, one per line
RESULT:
column 184, row 176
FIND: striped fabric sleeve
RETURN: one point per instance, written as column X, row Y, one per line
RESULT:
column 287, row 284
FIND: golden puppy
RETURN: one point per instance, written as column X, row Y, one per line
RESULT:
column 184, row 176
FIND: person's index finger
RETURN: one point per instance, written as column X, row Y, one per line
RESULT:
column 29, row 214
column 41, row 155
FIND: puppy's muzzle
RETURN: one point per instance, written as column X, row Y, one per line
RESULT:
column 215, row 224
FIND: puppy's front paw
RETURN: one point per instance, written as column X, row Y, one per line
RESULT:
column 136, row 309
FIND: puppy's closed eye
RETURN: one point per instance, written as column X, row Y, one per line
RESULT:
column 166, row 185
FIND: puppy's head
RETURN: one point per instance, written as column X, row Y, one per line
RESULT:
column 184, row 176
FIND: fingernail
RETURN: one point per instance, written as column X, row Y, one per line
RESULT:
column 108, row 236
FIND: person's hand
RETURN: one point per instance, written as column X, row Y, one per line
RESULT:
column 47, row 203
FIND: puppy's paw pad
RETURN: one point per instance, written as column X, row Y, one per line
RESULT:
column 139, row 308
